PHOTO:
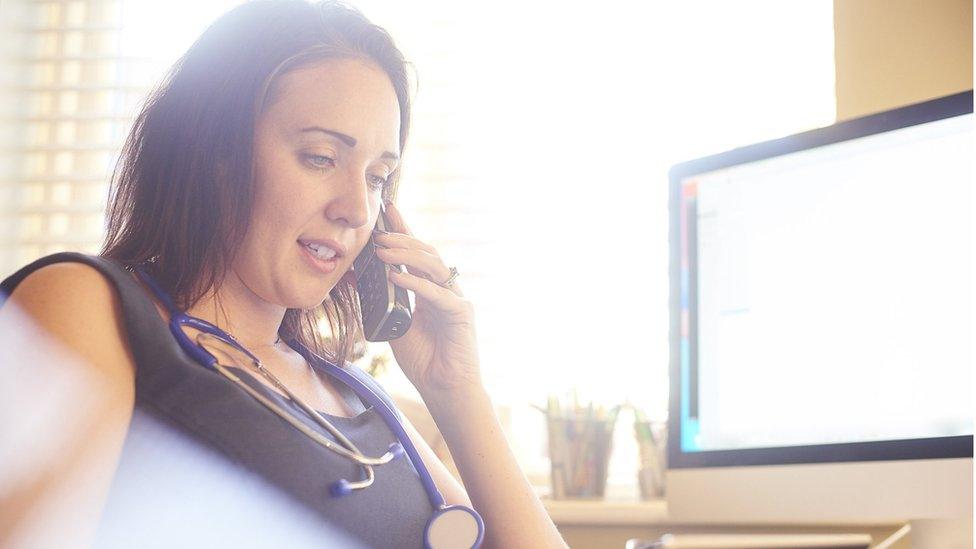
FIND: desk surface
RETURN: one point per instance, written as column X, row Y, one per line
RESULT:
column 622, row 512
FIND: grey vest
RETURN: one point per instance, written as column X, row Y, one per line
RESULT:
column 200, row 403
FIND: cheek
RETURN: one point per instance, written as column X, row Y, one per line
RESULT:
column 279, row 202
column 364, row 232
column 272, row 214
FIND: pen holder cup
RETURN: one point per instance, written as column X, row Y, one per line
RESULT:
column 652, row 445
column 579, row 451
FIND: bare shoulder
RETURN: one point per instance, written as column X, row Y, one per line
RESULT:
column 79, row 307
column 70, row 347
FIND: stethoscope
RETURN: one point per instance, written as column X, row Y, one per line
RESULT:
column 449, row 526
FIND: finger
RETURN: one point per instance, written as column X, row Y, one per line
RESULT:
column 418, row 262
column 396, row 219
column 441, row 297
column 400, row 240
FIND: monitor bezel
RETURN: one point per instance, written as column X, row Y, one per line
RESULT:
column 884, row 450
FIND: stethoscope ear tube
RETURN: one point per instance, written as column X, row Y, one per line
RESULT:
column 347, row 450
column 449, row 527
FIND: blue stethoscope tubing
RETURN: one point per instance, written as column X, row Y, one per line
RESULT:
column 178, row 319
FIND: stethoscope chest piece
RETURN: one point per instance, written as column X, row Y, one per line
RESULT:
column 454, row 527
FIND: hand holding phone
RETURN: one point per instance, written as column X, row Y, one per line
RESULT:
column 385, row 306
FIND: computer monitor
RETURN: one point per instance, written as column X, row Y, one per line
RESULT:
column 822, row 324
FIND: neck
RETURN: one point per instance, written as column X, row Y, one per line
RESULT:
column 236, row 309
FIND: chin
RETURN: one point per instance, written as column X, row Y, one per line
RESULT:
column 311, row 296
column 310, row 292
column 305, row 302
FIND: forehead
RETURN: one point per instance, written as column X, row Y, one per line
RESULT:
column 351, row 96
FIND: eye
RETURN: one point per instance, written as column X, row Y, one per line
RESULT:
column 377, row 183
column 320, row 162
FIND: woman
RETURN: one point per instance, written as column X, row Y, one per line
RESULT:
column 250, row 182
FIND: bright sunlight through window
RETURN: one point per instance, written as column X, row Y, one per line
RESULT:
column 542, row 137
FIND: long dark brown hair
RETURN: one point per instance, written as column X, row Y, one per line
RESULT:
column 182, row 191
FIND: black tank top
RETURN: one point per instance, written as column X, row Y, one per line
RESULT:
column 172, row 388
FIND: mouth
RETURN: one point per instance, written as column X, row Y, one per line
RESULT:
column 323, row 255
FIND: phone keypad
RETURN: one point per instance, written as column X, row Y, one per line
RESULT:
column 372, row 282
column 376, row 295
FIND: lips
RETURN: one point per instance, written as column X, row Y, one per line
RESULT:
column 322, row 254
column 323, row 249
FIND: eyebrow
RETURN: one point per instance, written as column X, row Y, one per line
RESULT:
column 347, row 139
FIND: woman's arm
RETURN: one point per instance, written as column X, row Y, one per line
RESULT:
column 487, row 466
column 513, row 514
column 62, row 328
column 439, row 356
column 446, row 483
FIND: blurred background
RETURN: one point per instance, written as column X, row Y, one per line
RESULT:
column 538, row 159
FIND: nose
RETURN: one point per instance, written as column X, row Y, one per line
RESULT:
column 349, row 200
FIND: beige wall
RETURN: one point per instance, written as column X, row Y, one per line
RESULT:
column 895, row 52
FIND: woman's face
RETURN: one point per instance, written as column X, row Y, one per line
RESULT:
column 323, row 152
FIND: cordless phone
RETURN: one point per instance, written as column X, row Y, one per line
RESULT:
column 385, row 306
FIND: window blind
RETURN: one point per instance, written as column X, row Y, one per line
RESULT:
column 66, row 107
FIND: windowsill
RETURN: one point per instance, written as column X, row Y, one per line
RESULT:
column 606, row 512
column 620, row 506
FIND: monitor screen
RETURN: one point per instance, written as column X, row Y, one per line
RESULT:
column 823, row 291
